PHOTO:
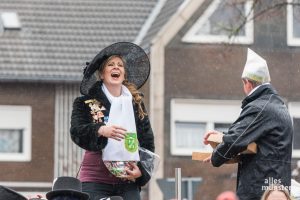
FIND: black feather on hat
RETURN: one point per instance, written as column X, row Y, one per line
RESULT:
column 9, row 194
column 67, row 186
column 137, row 64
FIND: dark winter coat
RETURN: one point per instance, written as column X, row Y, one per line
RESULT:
column 265, row 120
column 9, row 194
column 84, row 132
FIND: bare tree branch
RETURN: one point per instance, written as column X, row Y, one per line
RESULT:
column 246, row 18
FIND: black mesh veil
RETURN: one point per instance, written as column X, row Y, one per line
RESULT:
column 137, row 64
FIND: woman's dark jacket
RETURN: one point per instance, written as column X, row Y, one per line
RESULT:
column 265, row 120
column 84, row 132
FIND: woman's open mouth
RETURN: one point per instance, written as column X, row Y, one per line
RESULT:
column 115, row 74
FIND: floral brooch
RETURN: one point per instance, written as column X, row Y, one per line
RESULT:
column 96, row 110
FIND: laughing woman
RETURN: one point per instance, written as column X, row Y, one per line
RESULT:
column 110, row 122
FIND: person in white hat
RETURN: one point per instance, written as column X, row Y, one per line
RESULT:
column 265, row 120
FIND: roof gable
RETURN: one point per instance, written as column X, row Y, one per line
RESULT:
column 167, row 11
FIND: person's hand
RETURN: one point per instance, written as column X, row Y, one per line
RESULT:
column 133, row 172
column 113, row 132
column 208, row 133
column 38, row 196
column 207, row 160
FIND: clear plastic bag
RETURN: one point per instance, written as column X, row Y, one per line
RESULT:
column 149, row 160
column 295, row 189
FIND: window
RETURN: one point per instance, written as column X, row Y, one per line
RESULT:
column 293, row 23
column 191, row 118
column 15, row 133
column 220, row 20
column 10, row 20
column 185, row 133
column 294, row 109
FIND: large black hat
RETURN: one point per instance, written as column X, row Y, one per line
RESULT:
column 6, row 193
column 66, row 185
column 137, row 64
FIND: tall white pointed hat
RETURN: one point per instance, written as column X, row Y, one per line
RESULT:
column 256, row 68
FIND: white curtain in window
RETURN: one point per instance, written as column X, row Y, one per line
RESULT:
column 190, row 135
column 10, row 141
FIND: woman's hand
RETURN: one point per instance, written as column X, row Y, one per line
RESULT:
column 38, row 196
column 113, row 132
column 133, row 172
